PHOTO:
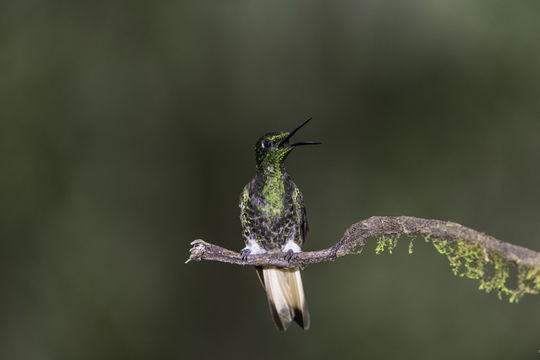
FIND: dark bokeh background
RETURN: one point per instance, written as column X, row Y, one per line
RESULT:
column 126, row 131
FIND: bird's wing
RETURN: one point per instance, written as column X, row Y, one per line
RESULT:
column 243, row 204
column 300, row 210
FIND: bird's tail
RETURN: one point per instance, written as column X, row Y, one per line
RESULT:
column 285, row 296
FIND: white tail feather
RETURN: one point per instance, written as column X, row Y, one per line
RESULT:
column 286, row 296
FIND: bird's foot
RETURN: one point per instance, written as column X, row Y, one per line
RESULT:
column 291, row 249
column 252, row 248
column 290, row 254
column 244, row 253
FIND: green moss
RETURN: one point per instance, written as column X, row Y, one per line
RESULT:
column 465, row 260
column 492, row 271
column 385, row 243
column 474, row 262
column 528, row 282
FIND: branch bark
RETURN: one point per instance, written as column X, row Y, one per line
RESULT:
column 355, row 238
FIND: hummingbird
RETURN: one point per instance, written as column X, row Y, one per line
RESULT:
column 273, row 219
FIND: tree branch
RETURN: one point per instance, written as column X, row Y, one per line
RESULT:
column 355, row 238
column 471, row 254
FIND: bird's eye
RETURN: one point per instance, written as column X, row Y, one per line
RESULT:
column 267, row 143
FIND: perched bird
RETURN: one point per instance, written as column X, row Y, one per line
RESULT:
column 273, row 218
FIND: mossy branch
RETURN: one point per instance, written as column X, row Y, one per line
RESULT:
column 472, row 254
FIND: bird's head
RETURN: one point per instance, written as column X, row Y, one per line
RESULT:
column 271, row 149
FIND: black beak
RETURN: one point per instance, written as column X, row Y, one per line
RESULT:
column 291, row 133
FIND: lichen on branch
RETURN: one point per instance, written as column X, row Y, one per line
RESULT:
column 471, row 254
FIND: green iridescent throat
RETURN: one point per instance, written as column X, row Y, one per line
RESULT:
column 270, row 167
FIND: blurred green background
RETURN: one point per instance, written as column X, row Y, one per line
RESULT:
column 127, row 131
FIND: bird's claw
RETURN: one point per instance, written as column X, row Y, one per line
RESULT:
column 289, row 255
column 244, row 253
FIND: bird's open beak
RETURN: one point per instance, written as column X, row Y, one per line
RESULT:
column 291, row 133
